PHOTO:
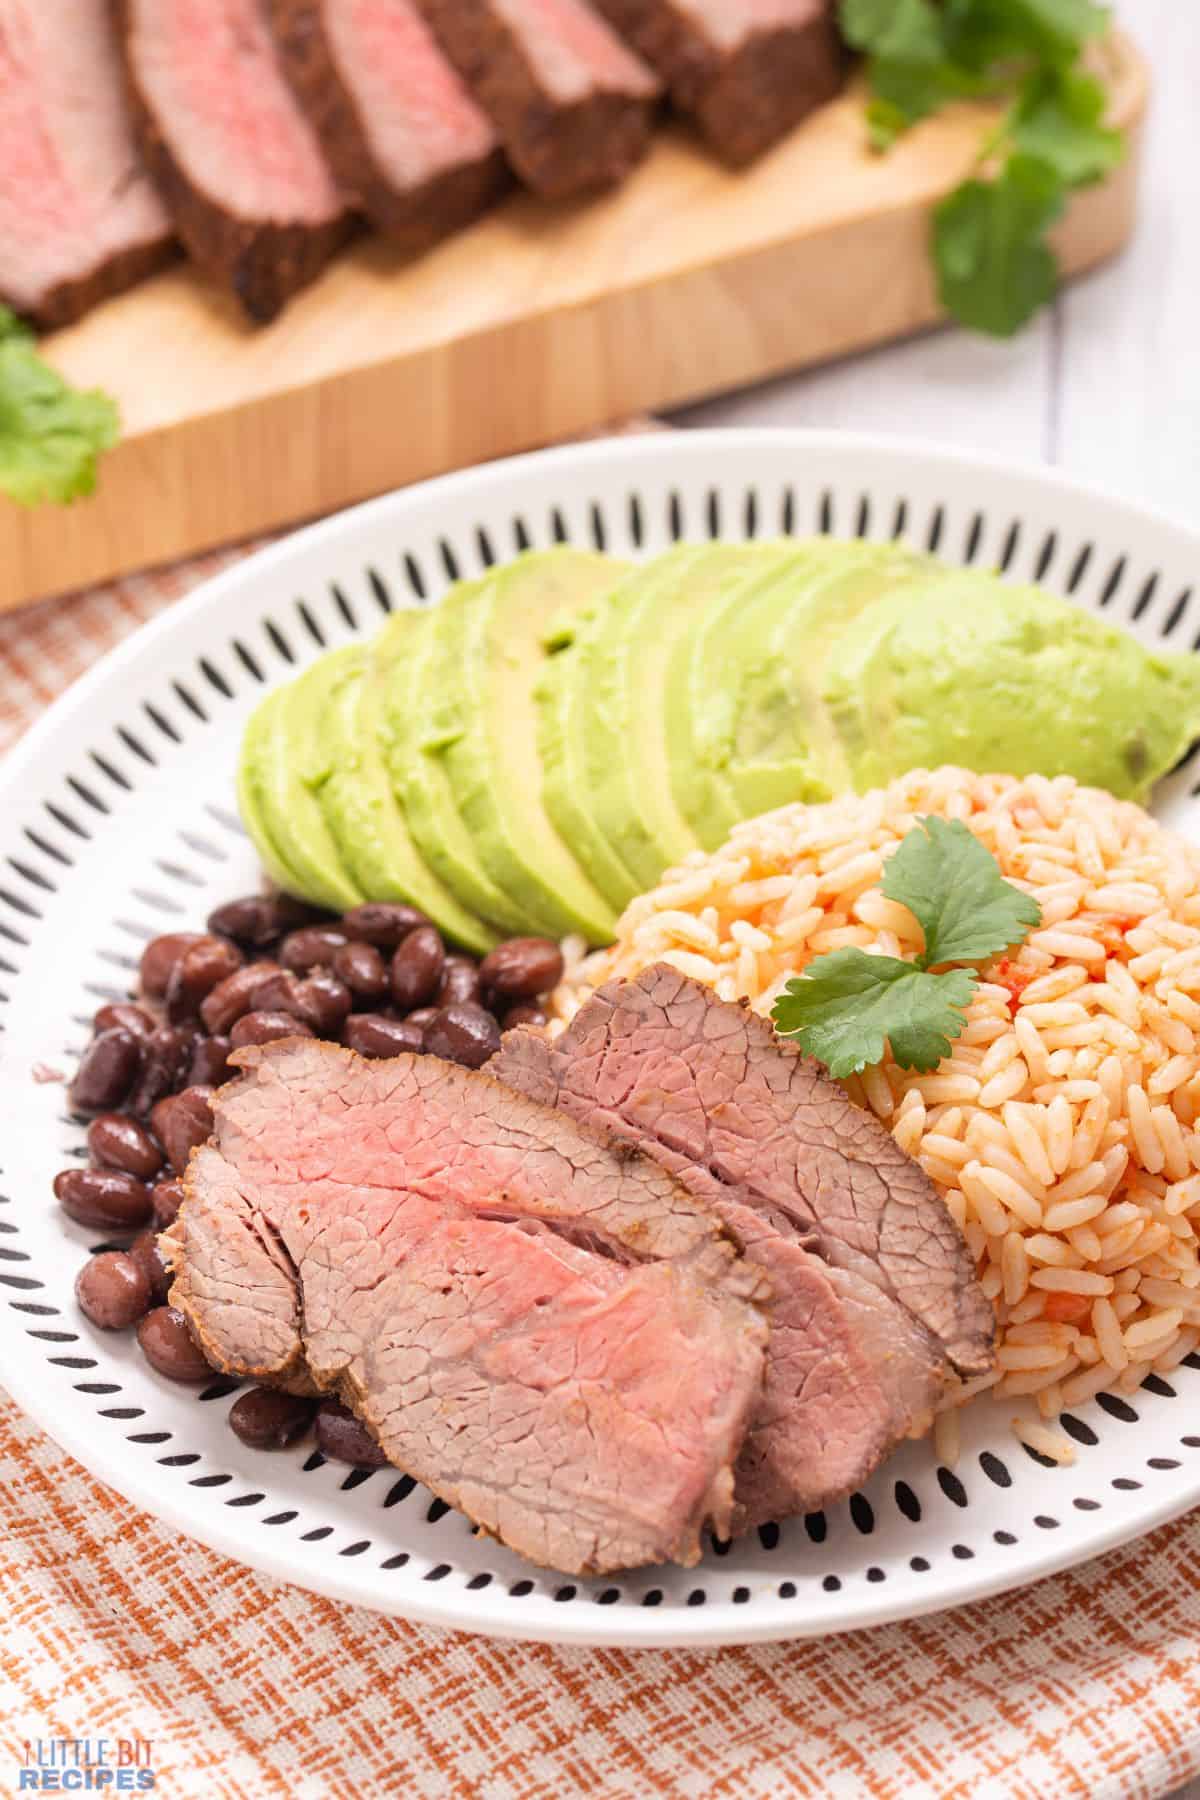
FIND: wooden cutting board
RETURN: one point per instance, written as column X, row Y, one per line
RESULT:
column 537, row 324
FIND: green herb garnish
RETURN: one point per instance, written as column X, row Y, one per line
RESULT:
column 848, row 1005
column 50, row 433
column 994, row 265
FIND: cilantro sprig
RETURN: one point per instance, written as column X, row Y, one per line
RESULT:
column 994, row 265
column 51, row 434
column 848, row 1006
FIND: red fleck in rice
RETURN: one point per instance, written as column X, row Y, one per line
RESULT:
column 1064, row 1129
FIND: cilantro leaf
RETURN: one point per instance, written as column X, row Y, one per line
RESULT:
column 1055, row 27
column 985, row 34
column 952, row 885
column 50, row 433
column 847, row 1006
column 13, row 329
column 993, row 266
column 901, row 30
column 1060, row 120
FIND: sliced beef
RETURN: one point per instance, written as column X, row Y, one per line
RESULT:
column 749, row 70
column 238, row 164
column 875, row 1297
column 572, row 105
column 79, row 217
column 539, row 1323
column 399, row 129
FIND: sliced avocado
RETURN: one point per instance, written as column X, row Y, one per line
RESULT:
column 489, row 653
column 363, row 814
column 776, row 752
column 281, row 768
column 254, row 755
column 413, row 728
column 964, row 668
column 747, row 731
column 563, row 699
column 610, row 697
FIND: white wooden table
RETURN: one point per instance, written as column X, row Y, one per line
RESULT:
column 1106, row 384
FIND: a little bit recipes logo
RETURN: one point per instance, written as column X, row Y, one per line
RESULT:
column 87, row 1765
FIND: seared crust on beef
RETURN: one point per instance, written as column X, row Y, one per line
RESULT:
column 875, row 1296
column 536, row 1321
column 70, row 300
column 264, row 264
column 748, row 94
column 79, row 218
column 560, row 146
column 413, row 215
column 264, row 260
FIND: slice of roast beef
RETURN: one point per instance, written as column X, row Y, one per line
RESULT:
column 399, row 129
column 875, row 1297
column 79, row 217
column 572, row 105
column 236, row 161
column 749, row 70
column 539, row 1323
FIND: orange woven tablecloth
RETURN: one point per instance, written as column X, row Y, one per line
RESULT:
column 113, row 1626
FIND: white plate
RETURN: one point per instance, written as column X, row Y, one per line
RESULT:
column 117, row 821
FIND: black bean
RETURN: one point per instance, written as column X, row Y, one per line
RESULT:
column 166, row 1197
column 460, row 981
column 363, row 970
column 312, row 947
column 320, row 999
column 113, row 1290
column 168, row 1346
column 146, row 1254
column 344, row 1438
column 118, row 1142
column 417, row 968
column 159, row 959
column 326, row 1001
column 210, row 1062
column 128, row 1017
column 107, row 1070
column 277, row 991
column 182, row 1121
column 256, row 920
column 265, row 1027
column 376, row 1035
column 166, row 1055
column 463, row 1033
column 383, row 923
column 251, row 920
column 234, row 996
column 268, row 1419
column 522, row 967
column 107, row 1199
column 524, row 1013
column 201, row 968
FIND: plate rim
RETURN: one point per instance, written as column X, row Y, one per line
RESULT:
column 721, row 1623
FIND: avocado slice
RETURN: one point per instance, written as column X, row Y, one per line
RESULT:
column 413, row 726
column 748, row 732
column 563, row 704
column 492, row 650
column 361, row 809
column 964, row 668
column 771, row 763
column 281, row 767
column 608, row 700
column 254, row 754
